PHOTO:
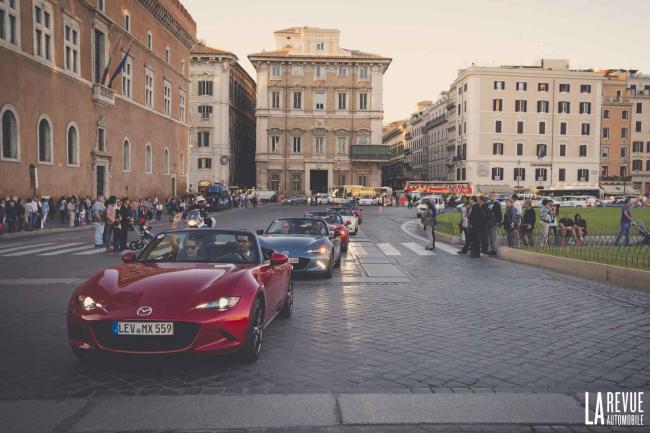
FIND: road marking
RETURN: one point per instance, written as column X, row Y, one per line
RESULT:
column 38, row 250
column 418, row 249
column 68, row 250
column 18, row 247
column 446, row 247
column 449, row 250
column 358, row 250
column 389, row 250
column 91, row 251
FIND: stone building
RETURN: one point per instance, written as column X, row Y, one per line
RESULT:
column 64, row 129
column 222, row 114
column 319, row 113
column 639, row 90
column 394, row 171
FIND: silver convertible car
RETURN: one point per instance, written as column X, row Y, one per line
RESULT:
column 311, row 247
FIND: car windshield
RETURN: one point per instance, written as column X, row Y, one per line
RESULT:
column 194, row 214
column 298, row 226
column 343, row 211
column 202, row 246
column 329, row 217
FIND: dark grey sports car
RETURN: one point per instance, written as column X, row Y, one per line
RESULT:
column 311, row 247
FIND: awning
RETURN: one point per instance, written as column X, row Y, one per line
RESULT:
column 497, row 189
column 619, row 189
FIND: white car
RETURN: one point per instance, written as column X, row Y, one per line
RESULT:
column 322, row 198
column 572, row 201
column 349, row 218
column 438, row 202
column 367, row 200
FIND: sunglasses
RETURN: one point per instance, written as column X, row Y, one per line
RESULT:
column 192, row 247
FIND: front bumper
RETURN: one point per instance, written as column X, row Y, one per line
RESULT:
column 311, row 265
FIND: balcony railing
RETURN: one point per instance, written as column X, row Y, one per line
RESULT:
column 103, row 95
column 370, row 152
column 615, row 178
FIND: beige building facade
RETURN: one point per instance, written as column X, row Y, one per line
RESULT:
column 639, row 89
column 319, row 113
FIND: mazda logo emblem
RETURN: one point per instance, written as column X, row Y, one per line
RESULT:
column 144, row 311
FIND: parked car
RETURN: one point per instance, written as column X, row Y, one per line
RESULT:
column 267, row 196
column 322, row 198
column 572, row 201
column 298, row 199
column 438, row 202
column 367, row 200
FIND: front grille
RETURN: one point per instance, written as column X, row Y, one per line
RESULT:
column 184, row 334
column 301, row 265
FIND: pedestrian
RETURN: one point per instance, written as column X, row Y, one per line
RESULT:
column 580, row 228
column 45, row 209
column 517, row 204
column 109, row 222
column 464, row 225
column 3, row 215
column 10, row 218
column 545, row 221
column 20, row 214
column 566, row 228
column 429, row 223
column 626, row 223
column 30, row 213
column 527, row 224
column 98, row 210
column 495, row 217
column 159, row 211
column 553, row 212
column 124, row 215
column 510, row 221
column 483, row 235
column 72, row 210
column 476, row 223
column 62, row 209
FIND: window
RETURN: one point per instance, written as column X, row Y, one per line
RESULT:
column 99, row 55
column 9, row 135
column 363, row 101
column 585, row 88
column 604, row 171
column 497, row 105
column 44, row 140
column 564, row 107
column 181, row 106
column 296, row 181
column 275, row 143
column 623, row 132
column 585, row 108
column 275, row 182
column 565, row 88
column 276, row 71
column 637, row 126
column 148, row 88
column 70, row 46
column 167, row 98
column 647, row 148
column 320, row 46
column 606, row 133
column 647, row 165
column 497, row 148
column 275, row 99
column 182, row 164
column 320, row 72
column 297, row 100
column 363, row 139
column 127, row 21
column 363, row 180
column 637, row 165
column 637, row 146
column 342, row 71
column 540, row 174
column 542, row 127
column 203, row 138
column 148, row 159
column 562, row 175
column 342, row 101
column 583, row 175
column 521, row 86
column 497, row 173
column 101, row 139
column 622, row 171
column 166, row 161
column 297, row 70
column 541, row 150
column 497, row 126
column 584, row 129
column 606, row 114
column 205, row 163
column 72, row 145
column 542, row 87
column 520, row 149
column 562, row 149
column 205, row 111
column 363, row 72
column 624, row 114
column 639, row 107
column 519, row 174
column 520, row 127
column 126, row 155
column 100, row 5
column 542, row 106
column 149, row 40
column 319, row 145
column 205, row 88
column 623, row 152
column 168, row 54
column 127, row 76
column 583, row 151
column 499, row 85
column 296, row 144
column 319, row 101
column 563, row 127
column 43, row 31
column 605, row 151
column 520, row 105
column 9, row 21
column 341, row 144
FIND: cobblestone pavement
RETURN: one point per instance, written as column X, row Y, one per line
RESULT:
column 457, row 325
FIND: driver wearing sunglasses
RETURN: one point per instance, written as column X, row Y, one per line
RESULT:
column 191, row 251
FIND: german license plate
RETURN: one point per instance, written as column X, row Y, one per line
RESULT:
column 294, row 259
column 143, row 328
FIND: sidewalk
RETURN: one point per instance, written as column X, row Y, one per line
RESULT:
column 51, row 227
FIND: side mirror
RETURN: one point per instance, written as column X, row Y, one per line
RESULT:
column 278, row 259
column 336, row 234
column 129, row 257
column 259, row 231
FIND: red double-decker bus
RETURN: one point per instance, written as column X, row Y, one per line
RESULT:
column 439, row 187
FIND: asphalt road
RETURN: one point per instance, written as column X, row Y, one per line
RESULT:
column 395, row 319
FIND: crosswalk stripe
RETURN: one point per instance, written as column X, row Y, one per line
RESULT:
column 359, row 250
column 389, row 250
column 18, row 247
column 67, row 250
column 447, row 248
column 90, row 252
column 418, row 249
column 38, row 250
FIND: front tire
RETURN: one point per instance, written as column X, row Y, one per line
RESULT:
column 287, row 308
column 330, row 269
column 255, row 337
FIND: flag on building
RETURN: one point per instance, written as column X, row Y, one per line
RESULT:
column 120, row 66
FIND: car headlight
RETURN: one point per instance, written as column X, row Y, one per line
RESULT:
column 191, row 223
column 87, row 303
column 319, row 250
column 221, row 304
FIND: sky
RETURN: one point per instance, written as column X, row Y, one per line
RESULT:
column 430, row 40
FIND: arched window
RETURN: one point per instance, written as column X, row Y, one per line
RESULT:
column 166, row 161
column 9, row 135
column 183, row 164
column 44, row 140
column 73, row 145
column 126, row 155
column 148, row 159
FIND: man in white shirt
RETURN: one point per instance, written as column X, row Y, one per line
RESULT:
column 517, row 204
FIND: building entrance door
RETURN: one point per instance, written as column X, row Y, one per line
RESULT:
column 101, row 180
column 318, row 181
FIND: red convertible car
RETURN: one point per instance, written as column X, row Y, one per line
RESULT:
column 335, row 224
column 201, row 291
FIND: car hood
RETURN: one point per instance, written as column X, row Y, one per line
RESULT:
column 184, row 284
column 295, row 245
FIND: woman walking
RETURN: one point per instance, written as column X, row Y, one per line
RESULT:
column 108, row 225
column 429, row 222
